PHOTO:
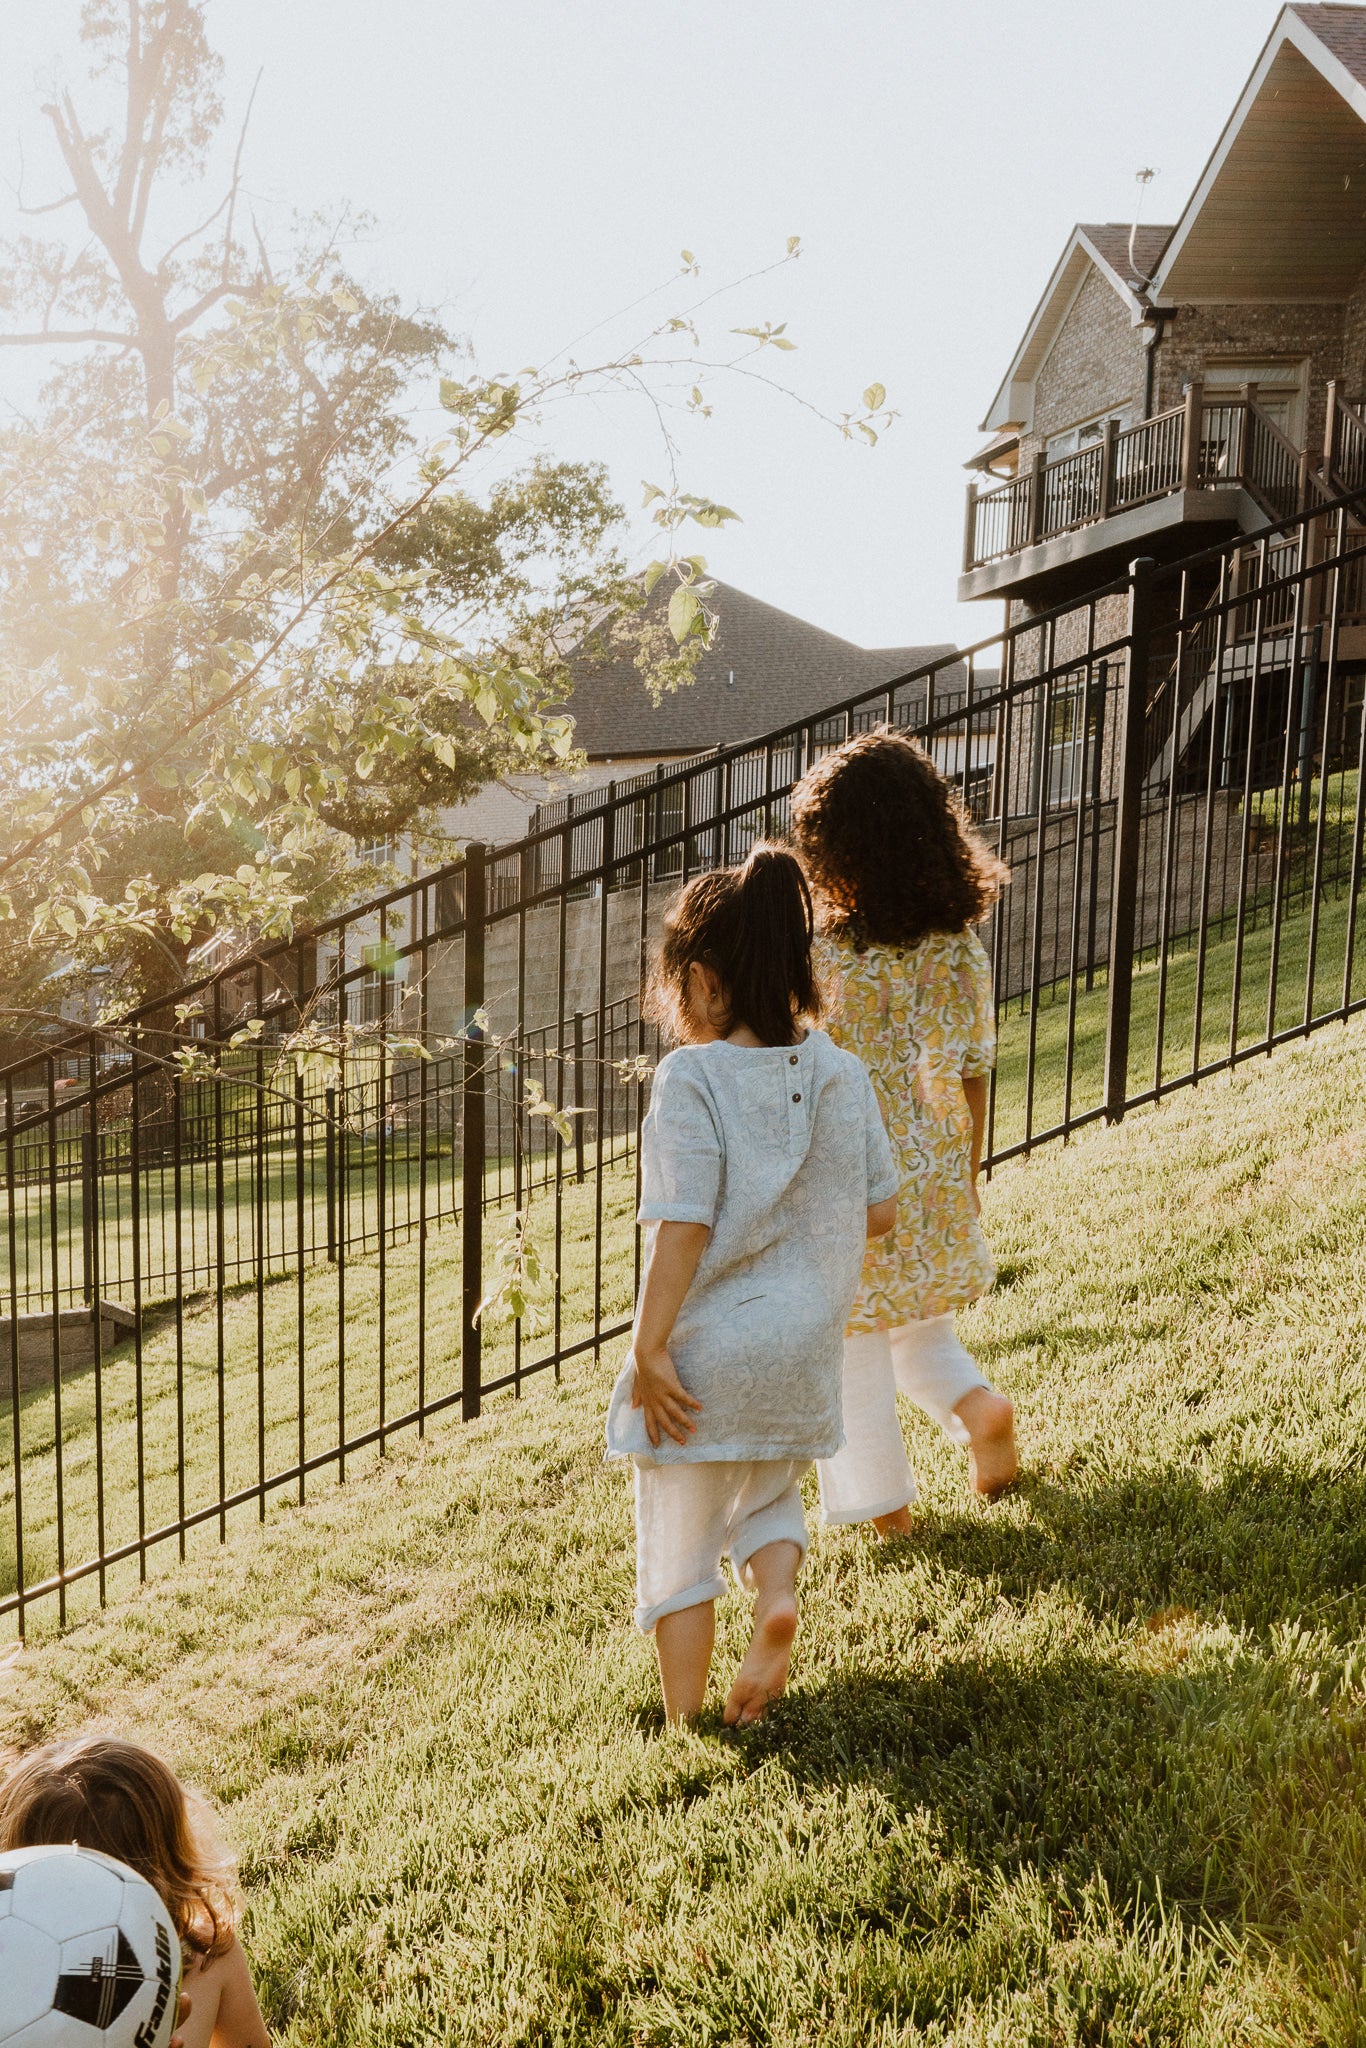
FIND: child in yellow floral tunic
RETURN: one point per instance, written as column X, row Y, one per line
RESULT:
column 900, row 879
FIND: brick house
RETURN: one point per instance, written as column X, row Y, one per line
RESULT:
column 1177, row 386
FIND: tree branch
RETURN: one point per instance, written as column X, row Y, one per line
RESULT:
column 51, row 206
column 235, row 185
column 53, row 334
column 211, row 298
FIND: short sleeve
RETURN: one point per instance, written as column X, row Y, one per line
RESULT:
column 681, row 1153
column 883, row 1179
column 979, row 1055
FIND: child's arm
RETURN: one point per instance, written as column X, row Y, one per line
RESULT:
column 882, row 1217
column 975, row 1092
column 237, row 2022
column 659, row 1391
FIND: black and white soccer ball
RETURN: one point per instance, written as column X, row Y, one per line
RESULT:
column 89, row 1957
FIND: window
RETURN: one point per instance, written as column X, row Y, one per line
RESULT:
column 377, row 853
column 1066, row 739
column 1073, row 439
column 1280, row 389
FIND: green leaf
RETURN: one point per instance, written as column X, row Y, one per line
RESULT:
column 685, row 610
column 794, row 245
column 874, row 397
column 653, row 574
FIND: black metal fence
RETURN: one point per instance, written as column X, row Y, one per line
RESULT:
column 387, row 1169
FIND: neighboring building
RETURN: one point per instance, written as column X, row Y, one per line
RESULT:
column 766, row 667
column 1169, row 394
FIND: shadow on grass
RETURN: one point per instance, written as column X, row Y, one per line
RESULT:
column 1258, row 1546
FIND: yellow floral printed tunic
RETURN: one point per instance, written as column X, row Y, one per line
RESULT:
column 919, row 1018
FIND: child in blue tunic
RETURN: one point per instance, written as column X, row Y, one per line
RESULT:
column 765, row 1168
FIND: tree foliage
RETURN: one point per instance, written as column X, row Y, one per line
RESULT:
column 246, row 618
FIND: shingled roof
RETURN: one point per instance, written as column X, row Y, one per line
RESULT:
column 766, row 666
column 1111, row 242
column 1341, row 30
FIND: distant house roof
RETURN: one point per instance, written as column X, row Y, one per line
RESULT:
column 764, row 668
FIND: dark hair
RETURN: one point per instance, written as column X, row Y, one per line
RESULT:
column 120, row 1799
column 890, row 851
column 753, row 926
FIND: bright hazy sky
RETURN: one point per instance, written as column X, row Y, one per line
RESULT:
column 535, row 165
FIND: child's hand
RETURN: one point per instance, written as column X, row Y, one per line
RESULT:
column 660, row 1392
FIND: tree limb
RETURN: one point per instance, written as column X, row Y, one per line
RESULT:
column 210, row 298
column 46, row 334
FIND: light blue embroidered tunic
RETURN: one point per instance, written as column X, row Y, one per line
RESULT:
column 780, row 1150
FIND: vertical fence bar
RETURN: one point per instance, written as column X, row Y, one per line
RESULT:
column 96, row 1327
column 599, row 1095
column 343, row 1172
column 472, row 1139
column 578, row 1096
column 382, row 1220
column 177, row 1168
column 259, row 1232
column 59, row 1435
column 330, row 1170
column 1213, row 780
column 220, row 1259
column 1128, row 829
column 1288, row 758
column 16, row 1405
column 423, row 1065
column 301, row 1381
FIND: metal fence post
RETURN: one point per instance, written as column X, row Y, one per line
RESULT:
column 580, row 1109
column 1128, row 833
column 1309, row 698
column 330, row 1169
column 472, row 1139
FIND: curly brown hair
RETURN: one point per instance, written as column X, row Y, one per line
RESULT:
column 889, row 848
column 120, row 1799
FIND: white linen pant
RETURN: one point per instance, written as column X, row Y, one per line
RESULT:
column 870, row 1474
column 691, row 1515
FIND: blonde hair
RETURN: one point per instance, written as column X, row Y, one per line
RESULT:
column 120, row 1799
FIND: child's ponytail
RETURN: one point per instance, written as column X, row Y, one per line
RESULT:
column 753, row 926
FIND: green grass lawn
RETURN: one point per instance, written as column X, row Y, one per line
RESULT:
column 203, row 1437
column 1228, row 969
column 1083, row 1770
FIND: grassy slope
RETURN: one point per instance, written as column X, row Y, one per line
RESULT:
column 1084, row 1768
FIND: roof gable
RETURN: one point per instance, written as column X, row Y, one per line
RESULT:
column 1101, row 246
column 1279, row 212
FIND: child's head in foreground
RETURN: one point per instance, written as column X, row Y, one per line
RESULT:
column 891, row 854
column 737, row 951
column 122, row 1800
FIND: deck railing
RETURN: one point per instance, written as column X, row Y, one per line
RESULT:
column 1202, row 444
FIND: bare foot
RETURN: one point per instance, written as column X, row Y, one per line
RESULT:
column 993, row 1461
column 898, row 1523
column 763, row 1675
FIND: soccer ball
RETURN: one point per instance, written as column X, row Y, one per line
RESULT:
column 89, row 1957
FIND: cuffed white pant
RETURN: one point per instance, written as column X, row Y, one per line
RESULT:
column 692, row 1515
column 870, row 1474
